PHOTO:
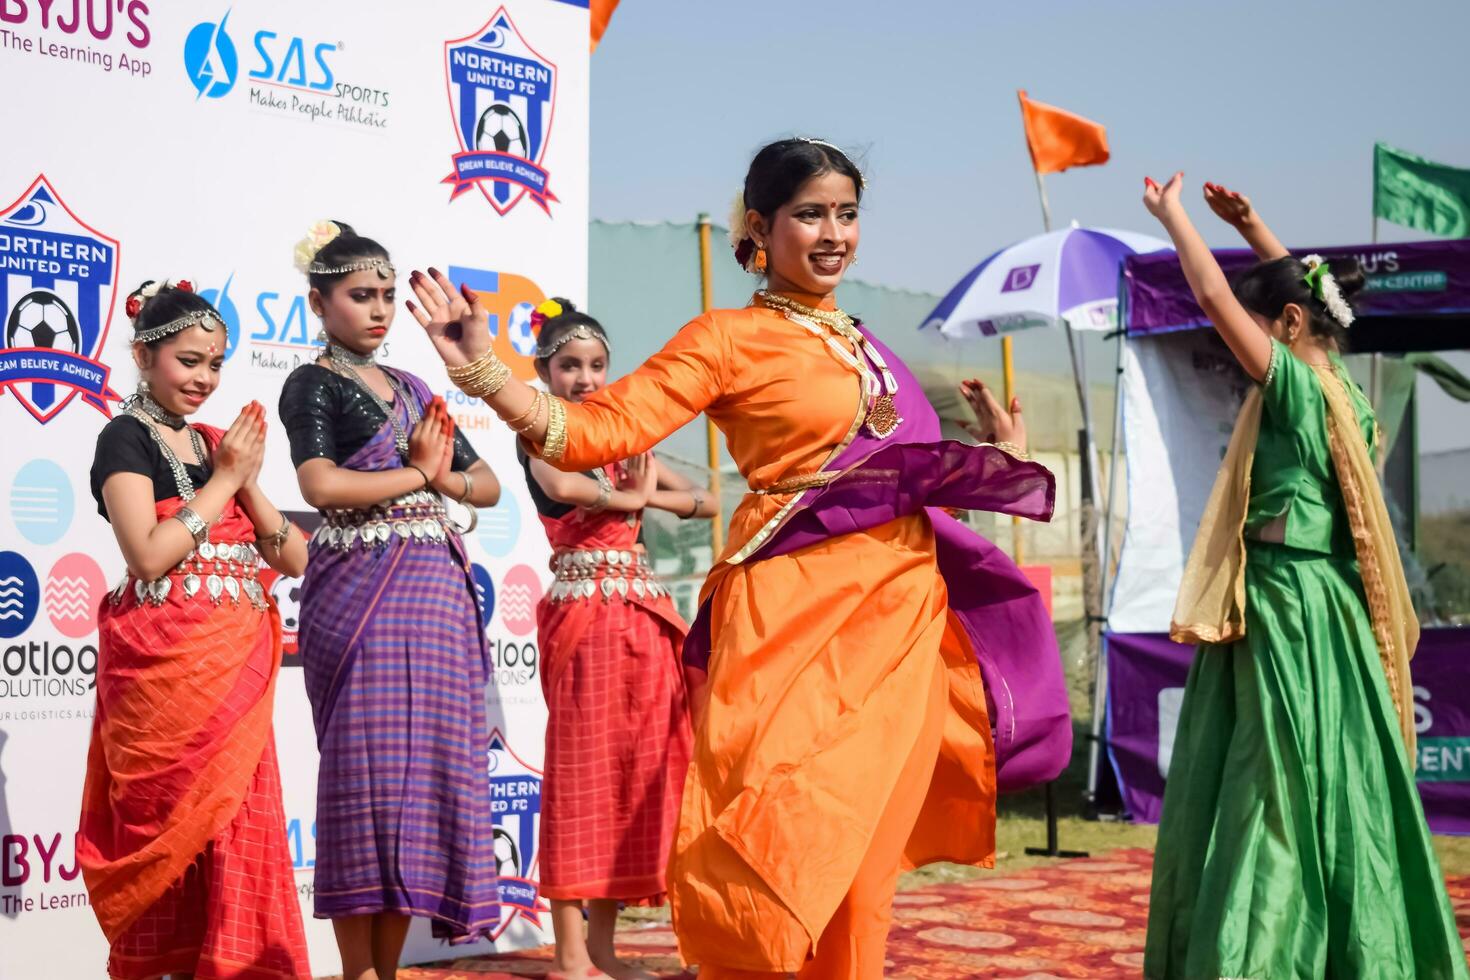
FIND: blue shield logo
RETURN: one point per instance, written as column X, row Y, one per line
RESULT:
column 515, row 807
column 501, row 96
column 56, row 299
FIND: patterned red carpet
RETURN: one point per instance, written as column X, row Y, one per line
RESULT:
column 1080, row 918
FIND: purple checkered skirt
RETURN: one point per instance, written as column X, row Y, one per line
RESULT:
column 395, row 663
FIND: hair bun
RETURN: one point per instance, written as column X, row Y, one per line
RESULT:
column 317, row 237
column 1349, row 274
column 567, row 306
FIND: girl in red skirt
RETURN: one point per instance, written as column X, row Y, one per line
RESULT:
column 618, row 734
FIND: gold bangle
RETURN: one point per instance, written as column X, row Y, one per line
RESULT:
column 536, row 417
column 482, row 377
column 535, row 406
column 1011, row 449
column 554, row 446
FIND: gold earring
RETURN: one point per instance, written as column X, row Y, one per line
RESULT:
column 760, row 258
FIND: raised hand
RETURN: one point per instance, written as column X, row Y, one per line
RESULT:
column 254, row 475
column 426, row 442
column 444, row 480
column 631, row 473
column 993, row 424
column 457, row 325
column 1160, row 201
column 238, row 456
column 1229, row 206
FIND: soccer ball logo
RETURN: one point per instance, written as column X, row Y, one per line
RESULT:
column 507, row 855
column 287, row 594
column 501, row 130
column 41, row 319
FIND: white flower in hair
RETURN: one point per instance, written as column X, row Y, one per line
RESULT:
column 1323, row 284
column 152, row 289
column 738, row 231
column 317, row 237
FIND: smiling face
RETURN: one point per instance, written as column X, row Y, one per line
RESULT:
column 812, row 238
column 357, row 310
column 182, row 371
column 576, row 371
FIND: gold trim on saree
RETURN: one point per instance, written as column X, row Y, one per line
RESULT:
column 771, row 526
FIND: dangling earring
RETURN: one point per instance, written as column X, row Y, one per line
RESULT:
column 322, row 338
column 143, row 388
column 760, row 258
column 852, row 258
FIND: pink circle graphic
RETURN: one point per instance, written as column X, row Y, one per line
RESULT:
column 520, row 591
column 74, row 590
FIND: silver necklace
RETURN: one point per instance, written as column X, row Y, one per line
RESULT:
column 348, row 370
column 157, row 412
column 345, row 356
column 182, row 483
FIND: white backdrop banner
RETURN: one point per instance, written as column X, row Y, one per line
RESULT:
column 164, row 139
column 1181, row 394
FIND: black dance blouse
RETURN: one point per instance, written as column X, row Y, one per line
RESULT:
column 331, row 417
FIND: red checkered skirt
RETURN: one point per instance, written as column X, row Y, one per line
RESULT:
column 618, row 742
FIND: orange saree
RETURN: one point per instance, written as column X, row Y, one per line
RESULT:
column 182, row 840
column 838, row 678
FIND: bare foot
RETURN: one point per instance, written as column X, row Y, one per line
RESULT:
column 574, row 971
column 618, row 970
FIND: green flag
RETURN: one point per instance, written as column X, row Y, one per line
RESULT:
column 1420, row 193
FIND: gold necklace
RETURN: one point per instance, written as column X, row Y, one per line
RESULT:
column 882, row 418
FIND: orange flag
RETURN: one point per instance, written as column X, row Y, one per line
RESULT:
column 1059, row 139
column 602, row 11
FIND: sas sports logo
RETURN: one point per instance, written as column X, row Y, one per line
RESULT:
column 515, row 808
column 58, row 284
column 502, row 98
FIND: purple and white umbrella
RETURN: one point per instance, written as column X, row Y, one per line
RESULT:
column 1068, row 276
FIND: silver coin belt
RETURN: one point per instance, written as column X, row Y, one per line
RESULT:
column 215, row 571
column 585, row 574
column 416, row 517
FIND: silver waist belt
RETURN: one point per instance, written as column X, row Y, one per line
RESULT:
column 414, row 517
column 583, row 574
column 214, row 571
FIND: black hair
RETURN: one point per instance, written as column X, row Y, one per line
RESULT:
column 346, row 248
column 169, row 303
column 779, row 170
column 554, row 328
column 1267, row 287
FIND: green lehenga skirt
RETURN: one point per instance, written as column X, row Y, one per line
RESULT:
column 1292, row 842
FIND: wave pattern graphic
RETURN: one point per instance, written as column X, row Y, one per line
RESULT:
column 516, row 604
column 68, row 598
column 12, row 597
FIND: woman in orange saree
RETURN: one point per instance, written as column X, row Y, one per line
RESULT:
column 182, row 840
column 869, row 672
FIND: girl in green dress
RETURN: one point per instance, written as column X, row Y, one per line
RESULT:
column 1293, row 843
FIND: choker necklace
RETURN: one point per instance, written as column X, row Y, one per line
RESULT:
column 882, row 418
column 157, row 412
column 342, row 355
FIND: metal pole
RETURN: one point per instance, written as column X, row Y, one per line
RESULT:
column 1008, row 376
column 1100, row 666
column 711, row 435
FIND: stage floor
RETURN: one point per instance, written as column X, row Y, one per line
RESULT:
column 1082, row 918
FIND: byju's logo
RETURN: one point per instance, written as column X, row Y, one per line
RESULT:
column 210, row 59
column 56, row 298
column 502, row 97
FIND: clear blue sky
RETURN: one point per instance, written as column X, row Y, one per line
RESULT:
column 1282, row 100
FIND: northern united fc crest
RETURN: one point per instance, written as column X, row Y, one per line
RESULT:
column 502, row 97
column 58, row 284
column 515, row 807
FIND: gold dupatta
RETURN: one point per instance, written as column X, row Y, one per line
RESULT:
column 1211, row 603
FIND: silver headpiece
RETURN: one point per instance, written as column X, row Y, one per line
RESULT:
column 383, row 267
column 208, row 319
column 580, row 332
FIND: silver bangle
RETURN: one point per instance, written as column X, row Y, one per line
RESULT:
column 698, row 503
column 469, row 487
column 277, row 540
column 196, row 525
